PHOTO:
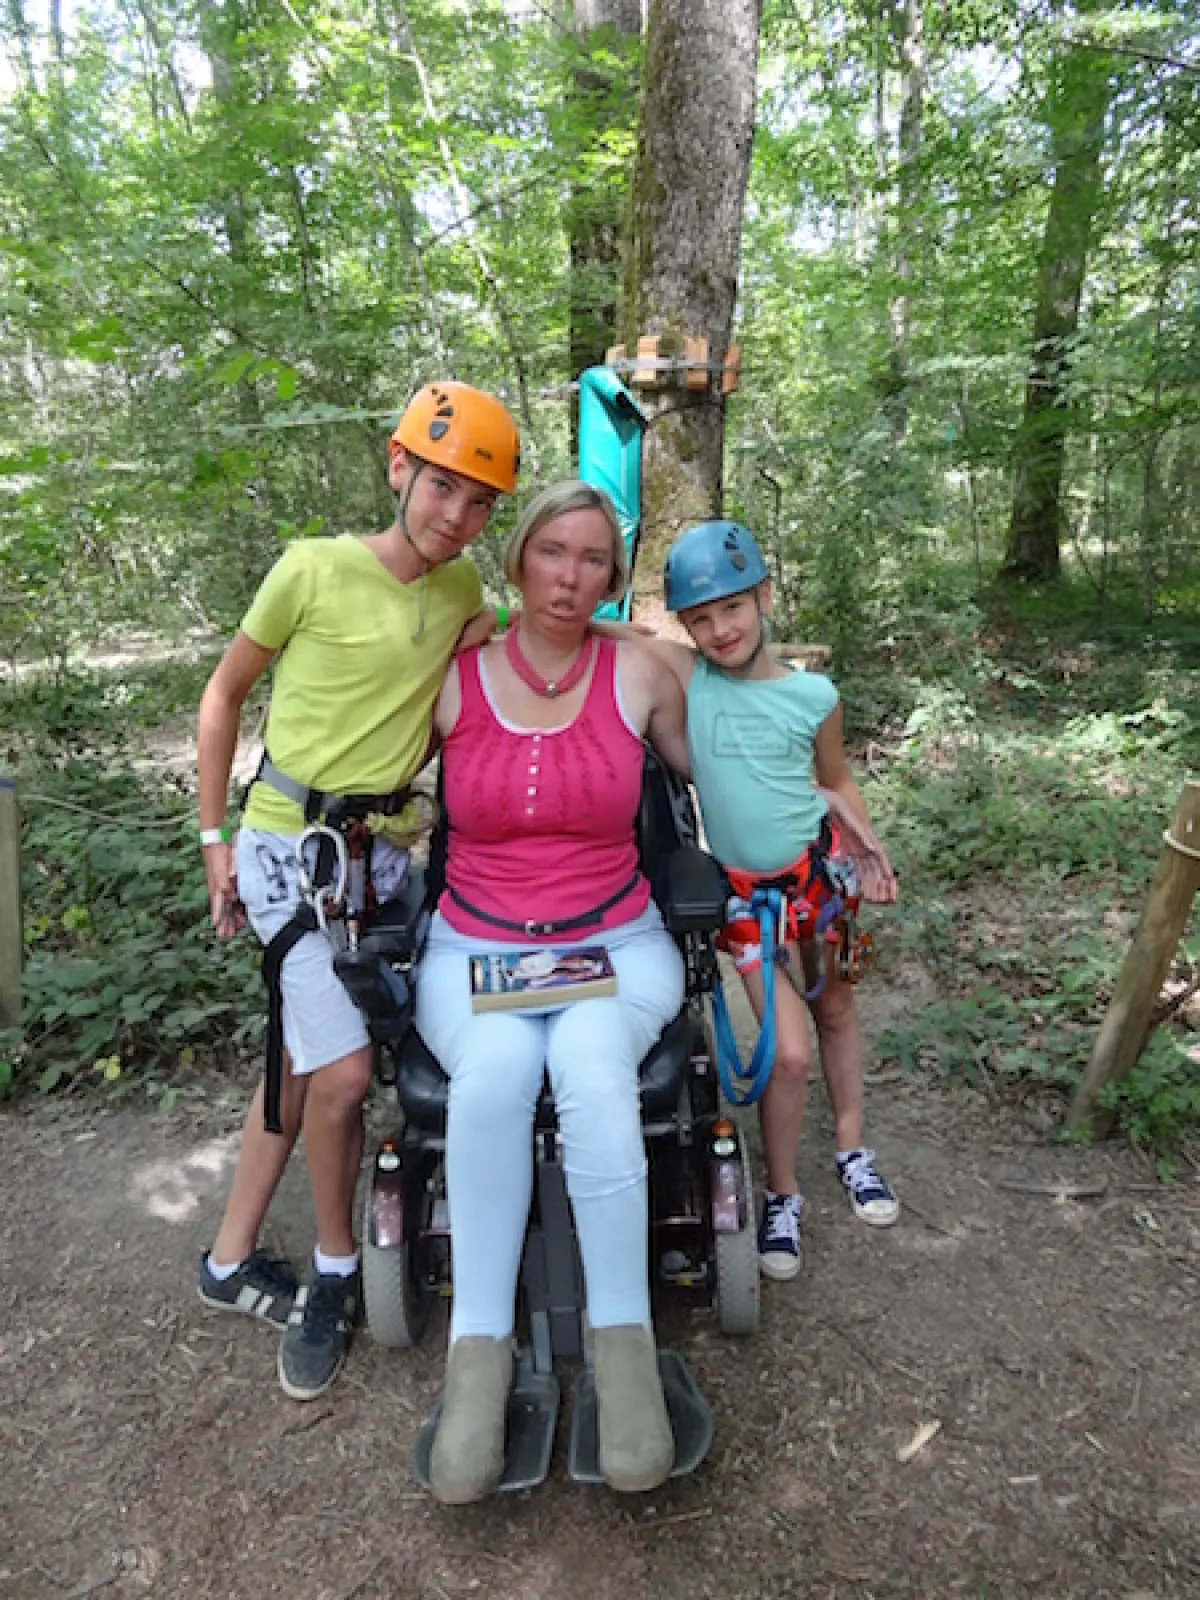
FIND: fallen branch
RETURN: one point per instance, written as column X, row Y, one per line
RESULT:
column 1055, row 1188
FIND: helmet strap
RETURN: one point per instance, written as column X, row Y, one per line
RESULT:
column 764, row 632
column 427, row 565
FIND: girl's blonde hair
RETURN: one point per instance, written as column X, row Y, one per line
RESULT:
column 556, row 501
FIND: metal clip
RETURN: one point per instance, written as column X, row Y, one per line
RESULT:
column 331, row 894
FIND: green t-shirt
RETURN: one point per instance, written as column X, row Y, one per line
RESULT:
column 353, row 692
column 751, row 744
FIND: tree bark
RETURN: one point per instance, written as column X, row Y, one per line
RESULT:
column 681, row 270
column 605, row 96
column 1076, row 107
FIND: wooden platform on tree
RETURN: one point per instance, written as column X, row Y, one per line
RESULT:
column 812, row 657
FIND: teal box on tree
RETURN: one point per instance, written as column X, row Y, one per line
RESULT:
column 611, row 425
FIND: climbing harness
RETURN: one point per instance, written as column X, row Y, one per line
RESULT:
column 337, row 895
column 813, row 904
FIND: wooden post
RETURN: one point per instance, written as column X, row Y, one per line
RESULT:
column 1126, row 1026
column 813, row 657
column 11, row 931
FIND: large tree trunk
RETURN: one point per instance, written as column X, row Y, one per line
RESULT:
column 681, row 268
column 1076, row 107
column 606, row 96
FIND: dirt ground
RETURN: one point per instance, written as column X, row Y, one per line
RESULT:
column 1052, row 1339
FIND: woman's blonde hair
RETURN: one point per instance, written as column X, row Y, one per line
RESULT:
column 556, row 501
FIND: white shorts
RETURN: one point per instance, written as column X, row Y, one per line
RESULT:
column 321, row 1023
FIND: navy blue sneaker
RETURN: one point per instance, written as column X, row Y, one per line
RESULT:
column 313, row 1349
column 871, row 1198
column 779, row 1236
column 263, row 1286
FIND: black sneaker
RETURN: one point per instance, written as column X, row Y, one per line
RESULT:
column 263, row 1286
column 313, row 1349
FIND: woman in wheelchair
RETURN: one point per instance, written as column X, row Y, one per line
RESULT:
column 542, row 767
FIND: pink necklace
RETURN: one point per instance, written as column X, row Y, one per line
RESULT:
column 549, row 688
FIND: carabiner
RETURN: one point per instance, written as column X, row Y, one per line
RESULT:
column 335, row 891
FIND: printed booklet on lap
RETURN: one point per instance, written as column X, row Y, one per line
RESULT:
column 541, row 978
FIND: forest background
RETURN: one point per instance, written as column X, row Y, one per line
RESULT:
column 236, row 236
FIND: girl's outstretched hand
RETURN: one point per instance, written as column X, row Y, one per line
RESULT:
column 876, row 880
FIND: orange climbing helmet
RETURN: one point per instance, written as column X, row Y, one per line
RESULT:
column 461, row 428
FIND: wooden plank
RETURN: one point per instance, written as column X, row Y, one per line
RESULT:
column 811, row 656
column 1127, row 1023
column 11, row 928
column 695, row 356
column 732, row 376
column 648, row 376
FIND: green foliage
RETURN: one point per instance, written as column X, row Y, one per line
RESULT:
column 1025, row 825
column 122, row 976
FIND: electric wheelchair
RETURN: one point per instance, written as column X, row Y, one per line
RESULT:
column 701, row 1214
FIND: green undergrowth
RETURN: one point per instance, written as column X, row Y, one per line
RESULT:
column 1023, row 802
column 1020, row 767
column 124, row 986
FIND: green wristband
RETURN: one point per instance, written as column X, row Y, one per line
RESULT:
column 502, row 617
column 214, row 836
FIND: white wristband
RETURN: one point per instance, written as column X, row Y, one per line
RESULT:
column 213, row 836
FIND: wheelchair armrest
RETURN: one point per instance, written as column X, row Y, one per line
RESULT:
column 691, row 891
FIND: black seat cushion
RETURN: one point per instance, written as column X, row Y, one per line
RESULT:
column 423, row 1088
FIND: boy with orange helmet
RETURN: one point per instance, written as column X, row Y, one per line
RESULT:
column 360, row 631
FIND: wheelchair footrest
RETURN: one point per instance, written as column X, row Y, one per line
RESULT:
column 691, row 1421
column 529, row 1444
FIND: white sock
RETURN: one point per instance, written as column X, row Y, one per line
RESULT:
column 222, row 1269
column 335, row 1266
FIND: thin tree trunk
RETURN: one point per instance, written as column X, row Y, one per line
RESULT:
column 912, row 88
column 462, row 203
column 1076, row 109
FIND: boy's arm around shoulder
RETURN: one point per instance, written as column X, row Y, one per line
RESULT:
column 849, row 812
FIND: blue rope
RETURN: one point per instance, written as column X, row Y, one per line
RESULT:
column 768, row 903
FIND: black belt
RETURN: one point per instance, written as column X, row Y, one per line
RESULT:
column 546, row 930
column 320, row 806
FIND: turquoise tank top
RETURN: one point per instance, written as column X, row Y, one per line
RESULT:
column 751, row 744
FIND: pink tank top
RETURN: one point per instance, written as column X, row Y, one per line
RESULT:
column 541, row 822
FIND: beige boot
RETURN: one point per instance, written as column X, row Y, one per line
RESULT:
column 468, row 1449
column 637, row 1447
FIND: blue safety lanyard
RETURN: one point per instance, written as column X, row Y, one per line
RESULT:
column 768, row 905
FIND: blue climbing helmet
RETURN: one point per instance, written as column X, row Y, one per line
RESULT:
column 709, row 562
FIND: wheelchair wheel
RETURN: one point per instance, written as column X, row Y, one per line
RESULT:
column 737, row 1295
column 394, row 1296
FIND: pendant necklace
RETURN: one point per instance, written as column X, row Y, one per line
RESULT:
column 548, row 688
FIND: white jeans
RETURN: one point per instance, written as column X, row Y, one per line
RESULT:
column 495, row 1061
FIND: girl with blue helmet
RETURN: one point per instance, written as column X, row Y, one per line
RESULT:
column 780, row 808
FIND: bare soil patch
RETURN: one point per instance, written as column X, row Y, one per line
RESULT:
column 148, row 1450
